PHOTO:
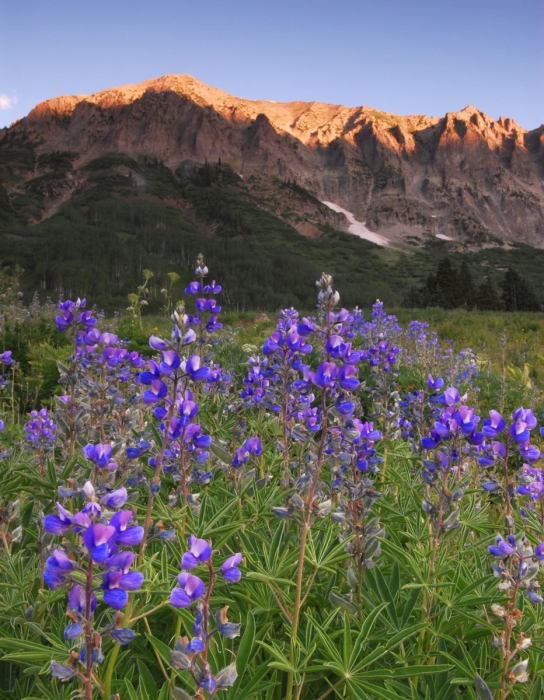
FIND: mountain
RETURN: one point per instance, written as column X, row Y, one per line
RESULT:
column 173, row 153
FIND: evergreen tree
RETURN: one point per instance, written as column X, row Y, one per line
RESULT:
column 517, row 295
column 467, row 284
column 487, row 297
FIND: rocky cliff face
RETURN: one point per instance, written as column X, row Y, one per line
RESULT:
column 464, row 176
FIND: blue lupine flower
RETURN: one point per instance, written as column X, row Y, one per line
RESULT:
column 123, row 635
column 5, row 357
column 229, row 568
column 503, row 548
column 96, row 538
column 57, row 568
column 325, row 376
column 115, row 499
column 194, row 370
column 199, row 551
column 100, row 455
column 189, row 589
column 77, row 601
column 157, row 392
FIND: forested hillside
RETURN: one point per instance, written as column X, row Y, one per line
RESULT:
column 119, row 215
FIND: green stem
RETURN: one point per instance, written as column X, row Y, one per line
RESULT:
column 303, row 539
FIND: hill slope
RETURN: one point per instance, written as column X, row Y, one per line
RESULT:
column 95, row 188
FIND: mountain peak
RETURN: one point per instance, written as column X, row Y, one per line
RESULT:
column 465, row 176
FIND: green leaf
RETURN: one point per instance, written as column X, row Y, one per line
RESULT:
column 482, row 689
column 221, row 453
column 130, row 690
column 165, row 692
column 409, row 606
column 386, row 595
column 245, row 651
column 410, row 671
column 160, row 647
column 148, row 686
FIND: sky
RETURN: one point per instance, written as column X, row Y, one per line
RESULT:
column 419, row 57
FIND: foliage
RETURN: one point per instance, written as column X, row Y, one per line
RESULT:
column 353, row 503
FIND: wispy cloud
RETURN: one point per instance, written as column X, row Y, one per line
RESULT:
column 7, row 102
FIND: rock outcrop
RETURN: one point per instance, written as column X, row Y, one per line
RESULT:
column 465, row 176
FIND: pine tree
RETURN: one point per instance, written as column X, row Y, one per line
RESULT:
column 487, row 297
column 517, row 295
column 468, row 287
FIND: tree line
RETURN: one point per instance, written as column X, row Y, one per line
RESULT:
column 452, row 287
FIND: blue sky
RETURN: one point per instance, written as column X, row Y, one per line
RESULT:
column 424, row 56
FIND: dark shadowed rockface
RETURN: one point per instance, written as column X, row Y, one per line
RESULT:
column 464, row 176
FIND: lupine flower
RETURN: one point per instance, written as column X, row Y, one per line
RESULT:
column 57, row 568
column 200, row 551
column 100, row 455
column 190, row 588
column 194, row 370
column 229, row 568
column 115, row 499
column 325, row 376
column 5, row 357
column 503, row 548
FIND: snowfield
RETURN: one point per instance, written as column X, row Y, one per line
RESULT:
column 358, row 228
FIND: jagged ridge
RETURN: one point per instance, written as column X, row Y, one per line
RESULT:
column 464, row 176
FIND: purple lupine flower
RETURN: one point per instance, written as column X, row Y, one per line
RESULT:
column 450, row 397
column 187, row 410
column 170, row 361
column 114, row 596
column 99, row 454
column 195, row 646
column 58, row 524
column 190, row 588
column 64, row 320
column 115, row 499
column 520, row 431
column 194, row 370
column 77, row 600
column 503, row 548
column 325, row 375
column 200, row 551
column 157, row 343
column 157, row 392
column 97, row 538
column 526, row 415
column 208, row 683
column 434, row 384
column 194, row 288
column 493, row 425
column 253, row 446
column 86, row 318
column 57, row 567
column 125, row 535
column 229, row 568
column 193, row 433
column 116, row 584
column 528, row 452
column 5, row 357
column 212, row 288
column 347, row 377
column 123, row 635
column 539, row 551
column 307, row 327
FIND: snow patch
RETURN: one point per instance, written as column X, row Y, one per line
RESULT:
column 358, row 228
column 443, row 237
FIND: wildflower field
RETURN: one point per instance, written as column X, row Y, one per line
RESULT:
column 333, row 504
